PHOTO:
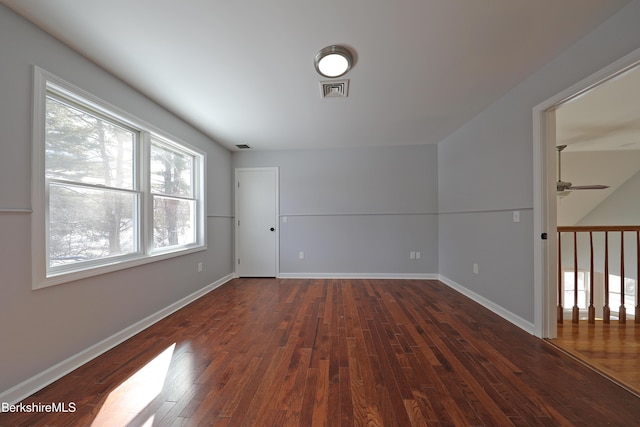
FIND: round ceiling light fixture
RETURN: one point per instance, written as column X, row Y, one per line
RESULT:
column 333, row 61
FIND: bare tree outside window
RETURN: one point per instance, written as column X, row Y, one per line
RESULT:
column 173, row 202
column 89, row 167
column 110, row 191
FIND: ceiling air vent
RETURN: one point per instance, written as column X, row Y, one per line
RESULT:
column 335, row 88
column 243, row 146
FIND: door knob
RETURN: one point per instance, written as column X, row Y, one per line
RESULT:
column 272, row 229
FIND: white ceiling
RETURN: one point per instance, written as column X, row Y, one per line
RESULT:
column 242, row 71
column 601, row 129
column 606, row 118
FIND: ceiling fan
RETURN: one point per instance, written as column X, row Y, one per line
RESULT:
column 564, row 187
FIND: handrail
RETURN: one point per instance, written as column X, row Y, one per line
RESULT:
column 591, row 309
column 579, row 228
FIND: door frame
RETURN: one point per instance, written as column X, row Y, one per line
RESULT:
column 235, row 214
column 544, row 193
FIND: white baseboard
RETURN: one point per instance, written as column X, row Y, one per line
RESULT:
column 43, row 379
column 499, row 310
column 358, row 276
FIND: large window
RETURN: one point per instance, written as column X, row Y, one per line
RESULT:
column 109, row 191
column 583, row 292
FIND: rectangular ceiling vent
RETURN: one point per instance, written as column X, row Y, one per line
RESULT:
column 335, row 88
column 243, row 146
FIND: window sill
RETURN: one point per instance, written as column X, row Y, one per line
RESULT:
column 66, row 277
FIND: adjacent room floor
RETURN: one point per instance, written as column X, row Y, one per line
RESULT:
column 611, row 348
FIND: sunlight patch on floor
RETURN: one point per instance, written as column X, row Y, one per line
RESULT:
column 132, row 396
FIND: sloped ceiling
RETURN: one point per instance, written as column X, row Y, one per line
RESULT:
column 602, row 132
column 242, row 72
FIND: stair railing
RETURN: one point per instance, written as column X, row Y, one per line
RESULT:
column 591, row 309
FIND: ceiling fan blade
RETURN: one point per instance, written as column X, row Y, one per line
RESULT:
column 565, row 187
column 588, row 187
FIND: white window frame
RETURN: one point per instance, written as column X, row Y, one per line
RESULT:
column 42, row 275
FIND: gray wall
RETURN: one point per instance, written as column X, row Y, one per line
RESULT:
column 41, row 328
column 358, row 211
column 485, row 172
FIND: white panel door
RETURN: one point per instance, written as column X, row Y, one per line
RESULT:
column 256, row 222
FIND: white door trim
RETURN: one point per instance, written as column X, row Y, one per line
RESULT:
column 277, row 214
column 544, row 197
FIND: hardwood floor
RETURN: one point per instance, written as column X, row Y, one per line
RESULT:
column 612, row 348
column 269, row 352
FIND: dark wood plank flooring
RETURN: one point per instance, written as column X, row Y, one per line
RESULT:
column 272, row 352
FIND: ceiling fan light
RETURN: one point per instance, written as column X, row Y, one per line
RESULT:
column 333, row 61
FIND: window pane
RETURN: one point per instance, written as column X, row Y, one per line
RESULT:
column 568, row 280
column 85, row 148
column 87, row 224
column 569, row 289
column 171, row 172
column 173, row 222
column 614, row 283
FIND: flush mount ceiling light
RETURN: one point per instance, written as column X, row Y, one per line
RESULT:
column 333, row 61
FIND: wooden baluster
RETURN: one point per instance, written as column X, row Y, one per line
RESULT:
column 592, row 308
column 606, row 315
column 606, row 312
column 560, row 310
column 575, row 314
column 622, row 311
column 637, row 320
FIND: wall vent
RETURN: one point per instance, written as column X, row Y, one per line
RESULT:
column 243, row 146
column 334, row 88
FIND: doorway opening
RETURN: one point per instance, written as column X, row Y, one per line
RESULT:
column 596, row 124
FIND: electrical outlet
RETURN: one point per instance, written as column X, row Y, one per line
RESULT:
column 475, row 268
column 412, row 255
column 516, row 216
column 418, row 255
column 199, row 267
column 300, row 255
